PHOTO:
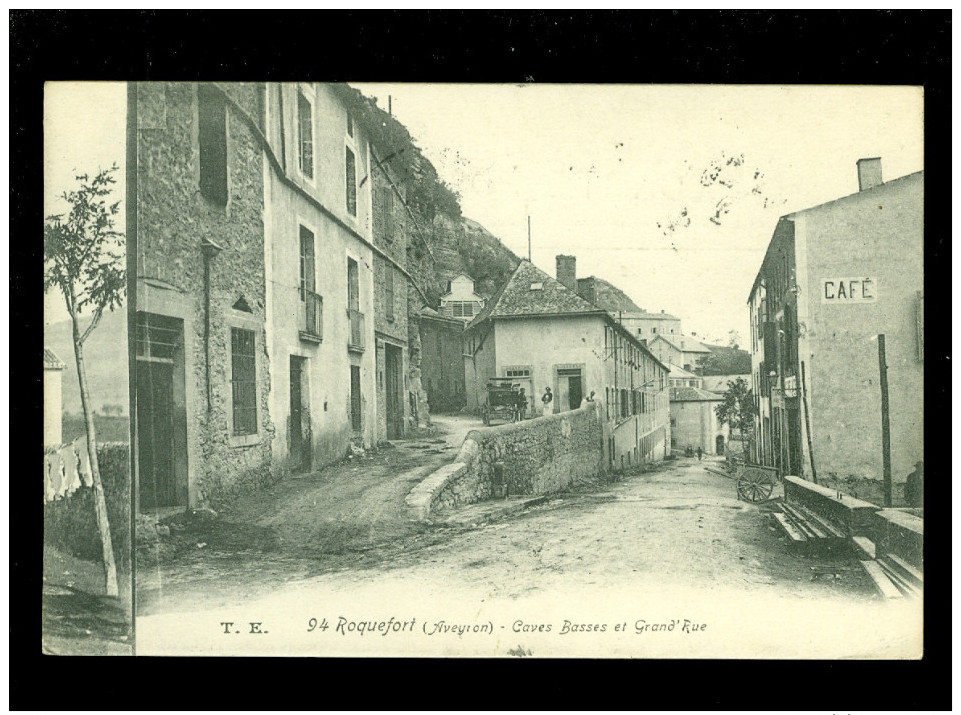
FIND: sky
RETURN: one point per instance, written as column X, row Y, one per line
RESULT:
column 84, row 130
column 612, row 174
column 606, row 171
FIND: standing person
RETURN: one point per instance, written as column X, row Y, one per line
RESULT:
column 700, row 453
column 522, row 404
column 546, row 402
column 914, row 486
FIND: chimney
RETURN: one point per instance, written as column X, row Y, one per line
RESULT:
column 567, row 272
column 869, row 173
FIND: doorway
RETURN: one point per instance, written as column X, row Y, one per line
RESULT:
column 300, row 432
column 161, row 419
column 719, row 444
column 570, row 388
column 356, row 421
column 393, row 381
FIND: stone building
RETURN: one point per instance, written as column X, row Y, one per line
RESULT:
column 442, row 361
column 53, row 368
column 542, row 334
column 694, row 422
column 683, row 350
column 834, row 278
column 251, row 224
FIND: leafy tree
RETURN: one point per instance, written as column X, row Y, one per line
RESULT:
column 84, row 260
column 737, row 410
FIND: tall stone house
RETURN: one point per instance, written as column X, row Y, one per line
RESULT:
column 834, row 278
column 268, row 256
column 541, row 333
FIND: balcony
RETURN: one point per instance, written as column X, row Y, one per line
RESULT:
column 355, row 341
column 311, row 317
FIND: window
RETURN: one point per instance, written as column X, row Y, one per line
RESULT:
column 305, row 135
column 356, row 421
column 386, row 210
column 518, row 372
column 307, row 273
column 389, row 292
column 212, row 138
column 351, row 180
column 462, row 309
column 243, row 381
column 653, row 330
column 625, row 405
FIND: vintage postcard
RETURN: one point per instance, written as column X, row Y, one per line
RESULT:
column 485, row 370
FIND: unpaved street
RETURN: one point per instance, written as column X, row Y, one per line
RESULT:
column 669, row 545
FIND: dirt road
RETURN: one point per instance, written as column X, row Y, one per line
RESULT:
column 672, row 546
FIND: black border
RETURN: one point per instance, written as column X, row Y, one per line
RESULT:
column 876, row 47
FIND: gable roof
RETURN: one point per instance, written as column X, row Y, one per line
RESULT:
column 693, row 394
column 678, row 372
column 51, row 361
column 516, row 299
column 684, row 343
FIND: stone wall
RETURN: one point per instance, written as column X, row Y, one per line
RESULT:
column 539, row 456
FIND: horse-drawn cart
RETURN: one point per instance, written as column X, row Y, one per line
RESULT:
column 505, row 400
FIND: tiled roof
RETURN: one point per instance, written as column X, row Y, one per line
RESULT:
column 50, row 360
column 693, row 394
column 516, row 298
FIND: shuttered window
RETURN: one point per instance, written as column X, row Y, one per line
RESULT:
column 305, row 136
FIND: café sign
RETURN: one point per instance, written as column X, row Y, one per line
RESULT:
column 849, row 290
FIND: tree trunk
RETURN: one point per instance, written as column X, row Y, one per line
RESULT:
column 99, row 501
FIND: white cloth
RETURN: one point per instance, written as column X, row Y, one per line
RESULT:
column 547, row 408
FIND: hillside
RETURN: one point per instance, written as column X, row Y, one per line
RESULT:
column 105, row 355
column 461, row 245
column 726, row 361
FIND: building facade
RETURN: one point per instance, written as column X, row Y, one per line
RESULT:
column 682, row 350
column 694, row 422
column 834, row 279
column 540, row 333
column 271, row 313
column 53, row 368
column 460, row 301
column 442, row 361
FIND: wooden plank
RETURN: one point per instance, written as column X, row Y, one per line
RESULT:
column 881, row 581
column 806, row 524
column 823, row 522
column 864, row 546
column 902, row 584
column 791, row 530
column 908, row 572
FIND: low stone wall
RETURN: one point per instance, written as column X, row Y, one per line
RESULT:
column 539, row 456
column 856, row 515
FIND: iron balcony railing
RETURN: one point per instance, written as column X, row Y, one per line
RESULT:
column 312, row 315
column 355, row 340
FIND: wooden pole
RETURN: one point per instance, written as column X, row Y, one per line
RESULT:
column 807, row 423
column 885, row 423
column 528, row 238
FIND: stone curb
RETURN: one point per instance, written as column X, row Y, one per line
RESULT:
column 484, row 514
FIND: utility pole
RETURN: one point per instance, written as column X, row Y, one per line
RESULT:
column 528, row 237
column 885, row 423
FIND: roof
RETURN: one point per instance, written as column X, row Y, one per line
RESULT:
column 693, row 394
column 51, row 361
column 516, row 298
column 430, row 314
column 681, row 373
column 684, row 343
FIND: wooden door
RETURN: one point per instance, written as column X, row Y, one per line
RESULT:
column 300, row 454
column 155, row 443
column 392, row 386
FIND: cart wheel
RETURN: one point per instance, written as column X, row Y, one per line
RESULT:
column 754, row 488
column 513, row 415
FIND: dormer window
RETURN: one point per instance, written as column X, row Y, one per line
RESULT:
column 537, row 286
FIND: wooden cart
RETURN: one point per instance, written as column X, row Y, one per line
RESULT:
column 504, row 400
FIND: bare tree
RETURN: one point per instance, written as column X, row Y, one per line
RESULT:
column 83, row 258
